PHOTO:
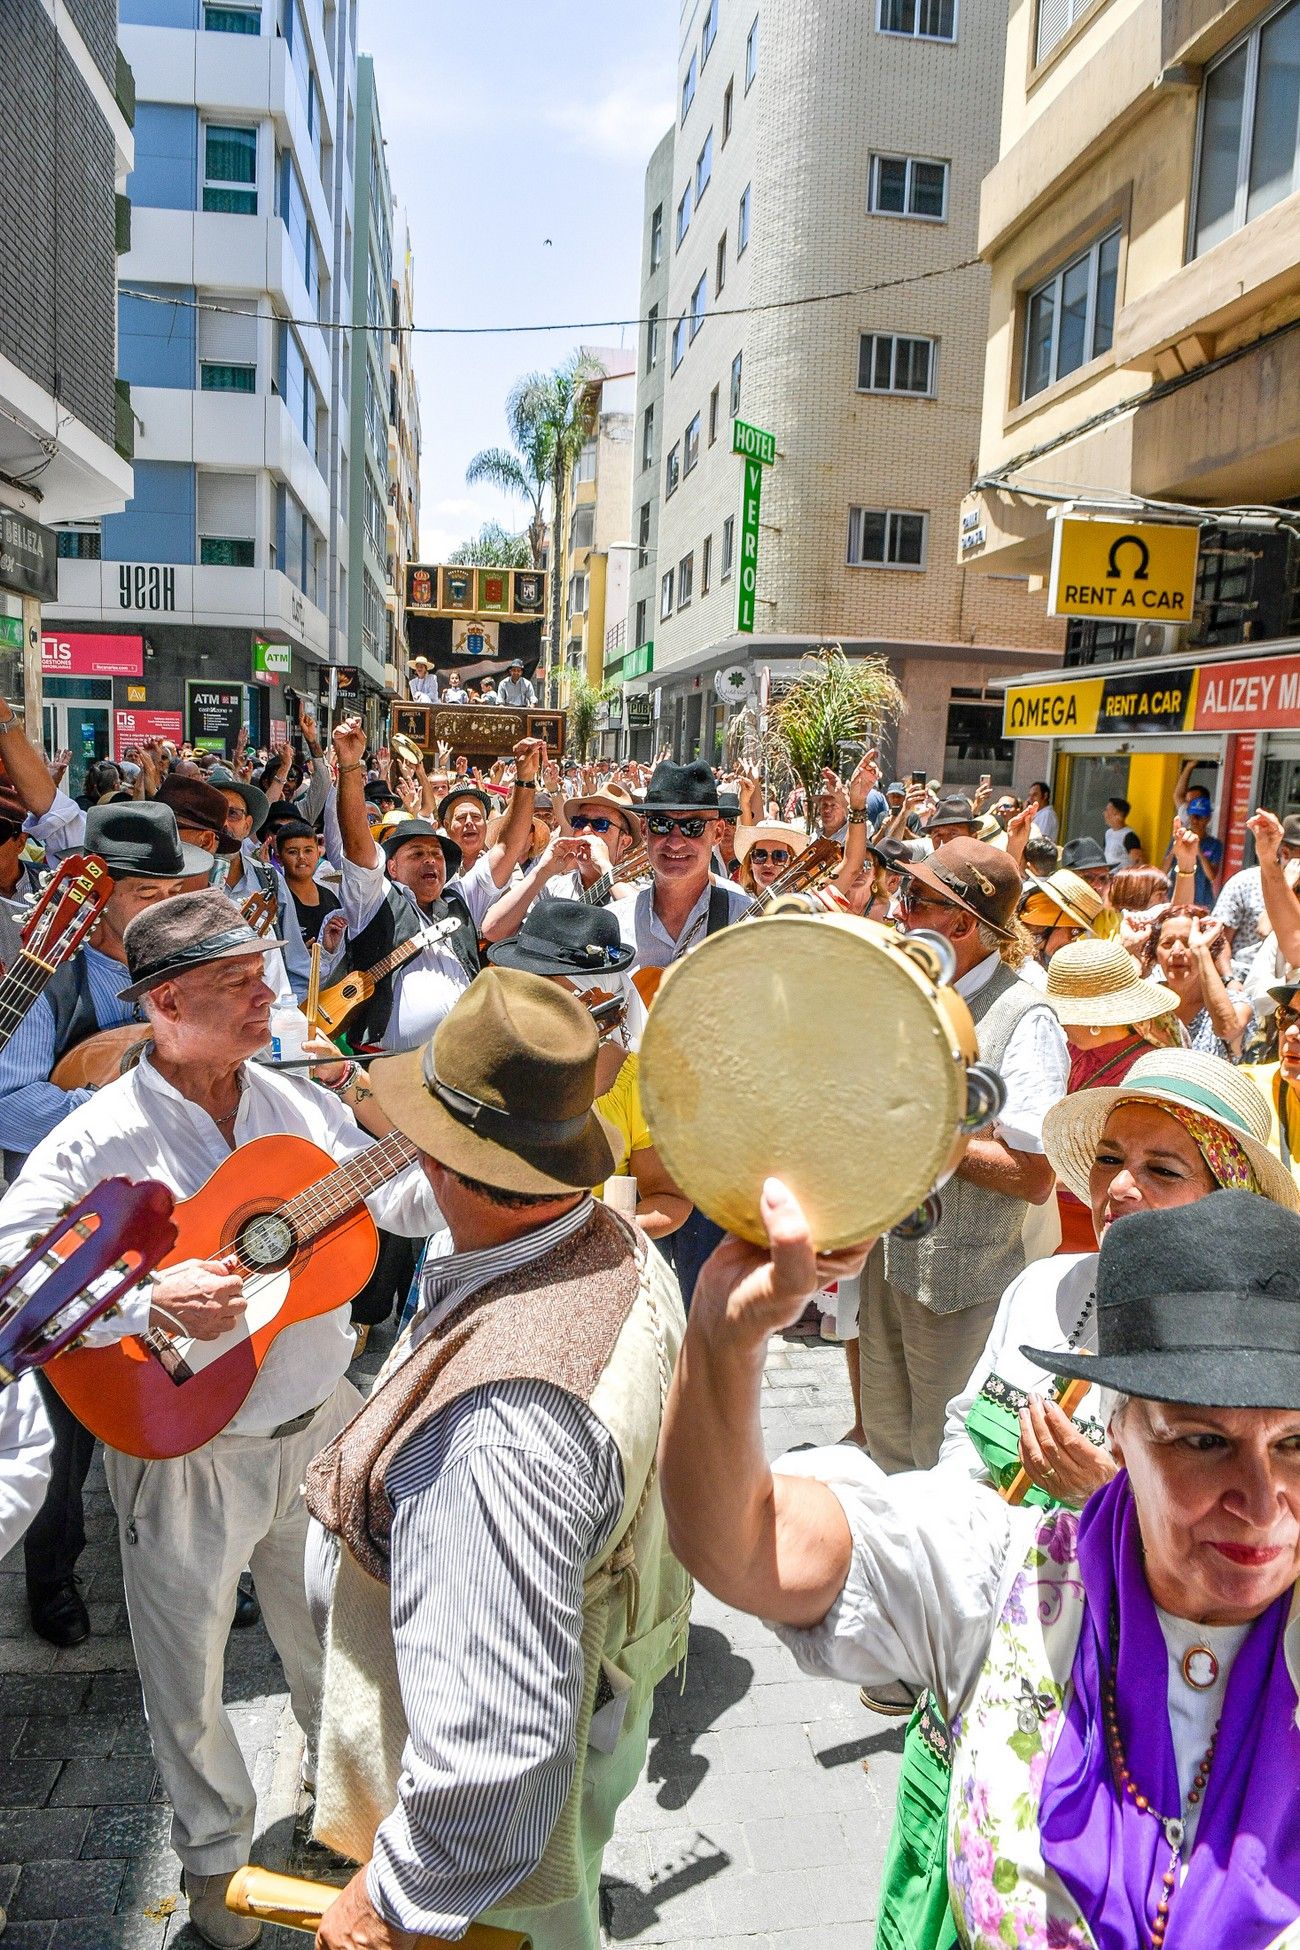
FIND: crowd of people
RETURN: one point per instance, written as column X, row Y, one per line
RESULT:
column 1062, row 1537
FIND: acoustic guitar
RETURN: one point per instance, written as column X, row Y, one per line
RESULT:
column 304, row 1244
column 73, row 899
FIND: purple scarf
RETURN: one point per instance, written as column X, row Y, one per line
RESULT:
column 1243, row 1883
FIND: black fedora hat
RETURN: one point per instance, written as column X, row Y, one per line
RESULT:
column 564, row 937
column 1198, row 1305
column 955, row 809
column 137, row 839
column 420, row 829
column 682, row 789
column 728, row 804
column 1083, row 855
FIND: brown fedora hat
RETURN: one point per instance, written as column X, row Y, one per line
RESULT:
column 199, row 806
column 505, row 1091
column 979, row 879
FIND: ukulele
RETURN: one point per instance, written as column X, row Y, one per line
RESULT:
column 635, row 867
column 73, row 899
column 99, row 1248
column 818, row 861
column 303, row 1243
column 336, row 1003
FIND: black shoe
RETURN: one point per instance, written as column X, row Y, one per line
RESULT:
column 247, row 1610
column 58, row 1613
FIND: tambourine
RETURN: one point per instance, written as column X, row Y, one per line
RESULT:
column 406, row 749
column 826, row 1051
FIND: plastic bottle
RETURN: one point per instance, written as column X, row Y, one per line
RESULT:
column 289, row 1034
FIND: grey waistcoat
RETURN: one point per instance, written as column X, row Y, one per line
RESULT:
column 976, row 1249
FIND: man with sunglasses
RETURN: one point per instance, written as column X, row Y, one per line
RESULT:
column 598, row 830
column 928, row 1304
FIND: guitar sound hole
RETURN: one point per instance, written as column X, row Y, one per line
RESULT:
column 266, row 1241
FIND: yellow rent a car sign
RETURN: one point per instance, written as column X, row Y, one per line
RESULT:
column 1131, row 572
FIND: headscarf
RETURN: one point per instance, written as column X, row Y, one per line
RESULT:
column 1243, row 1874
column 1228, row 1163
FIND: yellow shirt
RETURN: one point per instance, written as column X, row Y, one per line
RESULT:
column 621, row 1107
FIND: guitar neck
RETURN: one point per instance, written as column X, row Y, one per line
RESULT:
column 19, row 988
column 397, row 957
column 331, row 1198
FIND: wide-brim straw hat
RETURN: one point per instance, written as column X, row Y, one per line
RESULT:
column 793, row 833
column 1095, row 984
column 1190, row 1080
column 1070, row 895
column 608, row 801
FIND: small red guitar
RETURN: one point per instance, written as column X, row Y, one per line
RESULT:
column 305, row 1244
column 72, row 901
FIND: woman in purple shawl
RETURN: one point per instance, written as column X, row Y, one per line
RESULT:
column 1122, row 1685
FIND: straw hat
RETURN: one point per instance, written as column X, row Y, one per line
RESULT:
column 791, row 832
column 1072, row 1128
column 1064, row 892
column 1097, row 983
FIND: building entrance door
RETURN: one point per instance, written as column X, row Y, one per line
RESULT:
column 77, row 716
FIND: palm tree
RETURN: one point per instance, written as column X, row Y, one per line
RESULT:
column 525, row 473
column 494, row 548
column 832, row 702
column 560, row 407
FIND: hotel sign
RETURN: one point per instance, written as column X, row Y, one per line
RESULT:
column 758, row 450
column 1127, row 572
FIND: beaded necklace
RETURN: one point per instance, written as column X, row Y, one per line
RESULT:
column 1174, row 1825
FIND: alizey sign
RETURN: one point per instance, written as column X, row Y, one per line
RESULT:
column 758, row 450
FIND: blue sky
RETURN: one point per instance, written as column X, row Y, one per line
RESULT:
column 507, row 124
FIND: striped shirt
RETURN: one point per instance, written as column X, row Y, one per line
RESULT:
column 500, row 1502
column 30, row 1105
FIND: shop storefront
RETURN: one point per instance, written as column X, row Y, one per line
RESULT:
column 1127, row 730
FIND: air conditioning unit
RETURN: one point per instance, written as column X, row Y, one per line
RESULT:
column 1159, row 639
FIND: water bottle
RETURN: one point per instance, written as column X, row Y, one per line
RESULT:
column 289, row 1033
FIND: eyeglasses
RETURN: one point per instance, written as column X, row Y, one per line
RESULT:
column 909, row 900
column 780, row 856
column 583, row 823
column 660, row 824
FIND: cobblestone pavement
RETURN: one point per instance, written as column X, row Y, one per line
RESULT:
column 762, row 1819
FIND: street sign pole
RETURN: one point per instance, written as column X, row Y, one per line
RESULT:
column 758, row 450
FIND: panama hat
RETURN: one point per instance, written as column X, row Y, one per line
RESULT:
column 1187, row 1079
column 1201, row 1305
column 505, row 1091
column 793, row 832
column 1096, row 983
column 609, row 801
column 1070, row 896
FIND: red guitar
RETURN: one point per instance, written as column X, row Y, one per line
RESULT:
column 79, row 1270
column 304, row 1244
column 72, row 901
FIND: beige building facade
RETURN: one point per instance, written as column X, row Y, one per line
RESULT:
column 823, row 285
column 595, row 558
column 403, row 452
column 1142, row 232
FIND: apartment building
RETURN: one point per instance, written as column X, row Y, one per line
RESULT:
column 595, row 562
column 65, row 425
column 372, row 311
column 403, row 450
column 1142, row 231
column 819, row 234
column 222, row 583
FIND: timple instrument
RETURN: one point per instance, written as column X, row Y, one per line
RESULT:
column 820, row 1049
column 343, row 998
column 296, row 1904
column 303, row 1243
column 635, row 867
column 79, row 1270
column 73, row 899
column 1071, row 1394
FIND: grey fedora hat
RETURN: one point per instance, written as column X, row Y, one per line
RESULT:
column 190, row 931
column 137, row 839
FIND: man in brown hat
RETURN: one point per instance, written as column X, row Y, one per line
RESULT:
column 188, row 1527
column 928, row 1304
column 505, row 1599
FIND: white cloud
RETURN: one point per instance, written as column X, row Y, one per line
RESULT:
column 620, row 125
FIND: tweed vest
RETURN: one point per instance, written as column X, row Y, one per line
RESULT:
column 600, row 1317
column 977, row 1248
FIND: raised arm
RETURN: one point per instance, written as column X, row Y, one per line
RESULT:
column 349, row 742
column 1280, row 903
column 861, row 785
column 512, row 842
column 25, row 764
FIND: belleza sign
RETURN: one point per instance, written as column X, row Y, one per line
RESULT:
column 1129, row 572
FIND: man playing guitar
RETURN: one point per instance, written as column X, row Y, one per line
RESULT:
column 189, row 1526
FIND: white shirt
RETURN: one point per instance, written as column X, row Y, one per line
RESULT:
column 424, row 690
column 61, row 829
column 641, row 928
column 425, row 989
column 1035, row 1069
column 139, row 1126
column 1046, row 822
column 26, row 1439
column 517, row 691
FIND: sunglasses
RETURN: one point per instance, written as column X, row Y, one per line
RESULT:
column 584, row 823
column 780, row 856
column 661, row 825
column 909, row 899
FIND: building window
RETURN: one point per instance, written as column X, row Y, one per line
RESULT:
column 699, row 304
column 225, row 552
column 641, row 620
column 886, row 538
column 709, row 33
column 652, row 339
column 706, row 565
column 735, row 383
column 657, row 237
column 584, row 467
column 691, row 445
column 720, row 267
column 233, row 19
column 78, row 545
column 582, row 529
column 890, row 363
column 648, row 437
column 742, row 221
column 683, row 215
column 923, row 20
column 643, row 537
column 1070, row 317
column 1249, row 147
column 578, row 595
column 688, row 88
column 703, row 168
column 728, row 109
column 672, row 470
column 1055, row 19
column 665, row 594
column 728, row 546
column 685, row 580
column 214, row 378
column 713, row 415
column 751, row 55
column 230, row 170
column 679, row 344
column 908, row 186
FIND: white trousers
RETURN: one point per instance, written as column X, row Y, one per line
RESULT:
column 187, row 1528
